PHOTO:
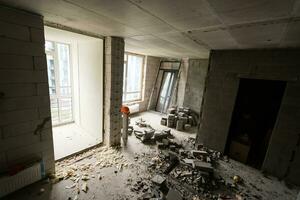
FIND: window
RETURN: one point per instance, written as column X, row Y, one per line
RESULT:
column 59, row 78
column 133, row 77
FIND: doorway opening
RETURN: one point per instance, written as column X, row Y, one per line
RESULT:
column 165, row 84
column 254, row 116
column 75, row 77
column 165, row 93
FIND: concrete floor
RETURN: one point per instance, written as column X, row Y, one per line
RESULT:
column 115, row 183
column 69, row 139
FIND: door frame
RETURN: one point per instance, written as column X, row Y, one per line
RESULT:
column 174, row 73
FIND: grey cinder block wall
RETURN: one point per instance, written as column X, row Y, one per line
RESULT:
column 195, row 81
column 24, row 93
column 151, row 69
column 225, row 69
column 113, row 89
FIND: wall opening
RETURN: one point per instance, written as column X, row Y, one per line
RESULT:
column 75, row 77
column 166, row 84
column 60, row 82
column 254, row 116
column 166, row 90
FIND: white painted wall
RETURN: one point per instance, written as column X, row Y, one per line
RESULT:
column 87, row 74
column 90, row 59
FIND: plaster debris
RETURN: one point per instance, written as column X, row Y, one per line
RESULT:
column 84, row 187
column 70, row 186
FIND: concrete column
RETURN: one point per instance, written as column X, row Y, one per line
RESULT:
column 113, row 85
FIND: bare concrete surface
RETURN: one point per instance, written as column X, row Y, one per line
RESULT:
column 176, row 28
column 69, row 139
column 110, row 173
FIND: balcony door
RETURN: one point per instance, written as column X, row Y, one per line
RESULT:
column 166, row 89
column 60, row 83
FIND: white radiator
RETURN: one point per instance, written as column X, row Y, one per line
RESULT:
column 9, row 184
column 134, row 108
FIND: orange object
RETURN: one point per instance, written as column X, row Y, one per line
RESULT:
column 125, row 110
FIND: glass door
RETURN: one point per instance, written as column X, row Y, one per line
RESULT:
column 59, row 79
column 165, row 93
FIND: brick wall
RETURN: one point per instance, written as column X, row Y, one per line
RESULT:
column 225, row 69
column 113, row 86
column 24, row 97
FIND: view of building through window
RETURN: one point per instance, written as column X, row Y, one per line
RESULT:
column 59, row 78
column 133, row 77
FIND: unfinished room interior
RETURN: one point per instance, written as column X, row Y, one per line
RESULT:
column 150, row 99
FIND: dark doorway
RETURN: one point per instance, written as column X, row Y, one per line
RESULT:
column 253, row 119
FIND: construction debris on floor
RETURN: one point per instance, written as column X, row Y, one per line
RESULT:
column 183, row 170
column 164, row 166
column 181, row 118
column 80, row 174
column 179, row 173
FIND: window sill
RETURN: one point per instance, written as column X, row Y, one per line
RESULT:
column 132, row 102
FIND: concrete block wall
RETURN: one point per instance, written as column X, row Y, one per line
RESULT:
column 225, row 69
column 113, row 89
column 178, row 97
column 151, row 69
column 195, row 81
column 24, row 93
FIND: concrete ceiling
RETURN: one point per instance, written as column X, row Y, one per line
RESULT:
column 178, row 28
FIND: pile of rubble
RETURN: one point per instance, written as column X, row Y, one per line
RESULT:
column 147, row 134
column 180, row 173
column 181, row 169
column 181, row 118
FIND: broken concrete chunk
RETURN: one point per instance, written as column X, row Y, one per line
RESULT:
column 183, row 152
column 160, row 145
column 141, row 123
column 138, row 133
column 163, row 121
column 179, row 125
column 165, row 142
column 203, row 166
column 174, row 195
column 171, row 110
column 148, row 134
column 159, row 180
column 85, row 178
column 159, row 135
column 188, row 161
column 70, row 186
column 84, row 187
column 208, row 159
column 167, row 131
column 198, row 153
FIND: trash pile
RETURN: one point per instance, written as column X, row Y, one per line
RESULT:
column 181, row 118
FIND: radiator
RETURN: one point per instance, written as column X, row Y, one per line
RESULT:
column 9, row 184
column 134, row 108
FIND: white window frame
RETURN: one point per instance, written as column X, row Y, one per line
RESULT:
column 125, row 81
column 57, row 82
